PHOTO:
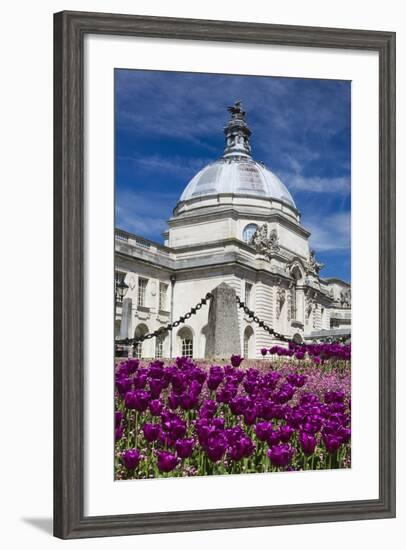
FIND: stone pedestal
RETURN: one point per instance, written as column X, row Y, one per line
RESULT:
column 223, row 333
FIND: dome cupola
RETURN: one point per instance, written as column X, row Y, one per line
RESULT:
column 236, row 177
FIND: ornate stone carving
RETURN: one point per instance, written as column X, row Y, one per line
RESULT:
column 264, row 244
column 289, row 304
column 280, row 300
column 310, row 304
column 131, row 282
column 313, row 266
column 345, row 297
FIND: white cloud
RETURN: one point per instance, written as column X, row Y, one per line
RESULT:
column 175, row 165
column 314, row 184
column 144, row 214
column 331, row 232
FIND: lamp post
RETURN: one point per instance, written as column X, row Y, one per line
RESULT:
column 121, row 290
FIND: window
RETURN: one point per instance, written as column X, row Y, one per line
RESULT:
column 142, row 291
column 159, row 347
column 186, row 342
column 141, row 330
column 187, row 347
column 249, row 231
column 245, row 347
column 163, row 288
column 138, row 350
column 248, row 292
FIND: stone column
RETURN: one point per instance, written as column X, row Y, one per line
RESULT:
column 223, row 335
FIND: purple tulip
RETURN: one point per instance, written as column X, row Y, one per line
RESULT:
column 188, row 401
column 216, row 446
column 214, row 381
column 123, row 385
column 177, row 428
column 242, row 448
column 332, row 443
column 132, row 365
column 238, row 404
column 155, row 387
column 166, row 461
column 285, row 433
column 195, row 388
column 184, row 447
column 151, row 431
column 236, row 360
column 118, row 432
column 138, row 400
column 250, row 385
column 272, row 437
column 131, row 458
column 280, row 455
column 334, row 397
column 140, row 381
column 173, row 401
column 156, row 406
column 307, row 442
column 262, row 430
column 250, row 416
column 344, row 434
column 118, row 417
column 264, row 351
column 208, row 408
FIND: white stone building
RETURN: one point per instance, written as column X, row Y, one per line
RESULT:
column 235, row 222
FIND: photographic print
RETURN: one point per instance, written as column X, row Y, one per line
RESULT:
column 232, row 280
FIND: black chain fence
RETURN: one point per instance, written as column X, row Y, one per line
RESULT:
column 250, row 313
column 278, row 335
column 166, row 328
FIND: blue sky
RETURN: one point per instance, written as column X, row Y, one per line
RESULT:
column 168, row 125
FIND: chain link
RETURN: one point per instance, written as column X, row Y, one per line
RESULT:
column 163, row 330
column 251, row 314
column 277, row 335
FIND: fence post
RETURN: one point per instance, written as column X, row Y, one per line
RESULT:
column 223, row 334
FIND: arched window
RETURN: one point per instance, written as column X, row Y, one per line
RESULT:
column 249, row 345
column 249, row 231
column 141, row 330
column 159, row 346
column 185, row 342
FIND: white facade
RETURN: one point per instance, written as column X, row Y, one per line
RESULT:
column 236, row 223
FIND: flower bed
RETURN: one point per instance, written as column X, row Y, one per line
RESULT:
column 188, row 418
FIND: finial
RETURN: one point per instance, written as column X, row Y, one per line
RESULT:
column 237, row 133
column 236, row 110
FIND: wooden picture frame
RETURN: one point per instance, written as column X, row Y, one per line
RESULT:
column 70, row 29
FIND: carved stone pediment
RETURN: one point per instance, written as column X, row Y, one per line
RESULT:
column 264, row 243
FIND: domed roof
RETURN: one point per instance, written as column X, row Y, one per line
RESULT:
column 242, row 176
column 236, row 172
